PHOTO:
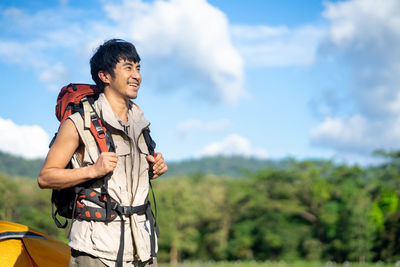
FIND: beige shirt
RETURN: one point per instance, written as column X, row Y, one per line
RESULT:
column 129, row 185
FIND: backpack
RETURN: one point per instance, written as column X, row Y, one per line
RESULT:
column 77, row 98
column 68, row 202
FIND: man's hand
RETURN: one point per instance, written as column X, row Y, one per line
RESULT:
column 159, row 167
column 105, row 164
column 54, row 174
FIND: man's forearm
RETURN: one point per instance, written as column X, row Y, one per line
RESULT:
column 57, row 178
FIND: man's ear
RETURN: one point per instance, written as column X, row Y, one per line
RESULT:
column 104, row 76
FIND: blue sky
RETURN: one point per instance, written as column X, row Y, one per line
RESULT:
column 270, row 79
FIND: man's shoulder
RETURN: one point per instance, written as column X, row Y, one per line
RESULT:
column 76, row 119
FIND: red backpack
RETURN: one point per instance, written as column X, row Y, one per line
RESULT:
column 70, row 96
column 72, row 99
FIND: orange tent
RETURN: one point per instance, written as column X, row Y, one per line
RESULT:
column 23, row 246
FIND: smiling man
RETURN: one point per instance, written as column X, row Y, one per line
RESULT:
column 115, row 69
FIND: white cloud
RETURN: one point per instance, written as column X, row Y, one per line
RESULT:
column 367, row 33
column 42, row 49
column 194, row 125
column 233, row 145
column 366, row 20
column 29, row 141
column 343, row 133
column 357, row 134
column 31, row 55
column 277, row 46
column 193, row 35
column 26, row 54
column 54, row 75
column 364, row 35
column 184, row 43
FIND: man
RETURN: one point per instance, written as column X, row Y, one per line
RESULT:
column 115, row 69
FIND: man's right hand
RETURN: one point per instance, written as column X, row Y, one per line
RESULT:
column 105, row 164
column 54, row 173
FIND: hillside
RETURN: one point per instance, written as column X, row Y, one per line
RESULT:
column 234, row 166
column 18, row 166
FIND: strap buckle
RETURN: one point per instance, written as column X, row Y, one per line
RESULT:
column 100, row 132
column 126, row 210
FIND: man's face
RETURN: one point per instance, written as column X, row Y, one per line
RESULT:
column 127, row 79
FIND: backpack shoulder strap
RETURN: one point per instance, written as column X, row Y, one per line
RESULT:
column 86, row 136
column 151, row 145
column 98, row 128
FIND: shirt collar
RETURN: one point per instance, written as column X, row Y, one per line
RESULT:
column 136, row 120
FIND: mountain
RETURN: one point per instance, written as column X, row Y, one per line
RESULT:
column 234, row 166
column 19, row 166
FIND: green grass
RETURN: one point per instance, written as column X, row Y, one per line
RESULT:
column 275, row 264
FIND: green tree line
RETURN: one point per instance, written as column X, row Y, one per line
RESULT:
column 312, row 210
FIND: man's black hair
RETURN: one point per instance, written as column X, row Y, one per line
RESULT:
column 108, row 55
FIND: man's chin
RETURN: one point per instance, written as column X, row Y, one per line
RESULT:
column 133, row 96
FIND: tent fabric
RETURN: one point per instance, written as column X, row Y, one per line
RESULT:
column 22, row 246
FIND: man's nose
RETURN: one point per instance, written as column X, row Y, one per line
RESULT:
column 136, row 74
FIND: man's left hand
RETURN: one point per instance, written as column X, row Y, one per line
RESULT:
column 159, row 165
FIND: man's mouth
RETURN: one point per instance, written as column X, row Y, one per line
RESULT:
column 133, row 84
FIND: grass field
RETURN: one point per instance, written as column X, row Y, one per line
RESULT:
column 277, row 264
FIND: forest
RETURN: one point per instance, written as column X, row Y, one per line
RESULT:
column 314, row 210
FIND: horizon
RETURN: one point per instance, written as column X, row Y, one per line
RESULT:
column 380, row 159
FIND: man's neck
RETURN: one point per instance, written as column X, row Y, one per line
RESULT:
column 119, row 104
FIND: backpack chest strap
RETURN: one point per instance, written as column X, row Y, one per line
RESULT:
column 89, row 213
